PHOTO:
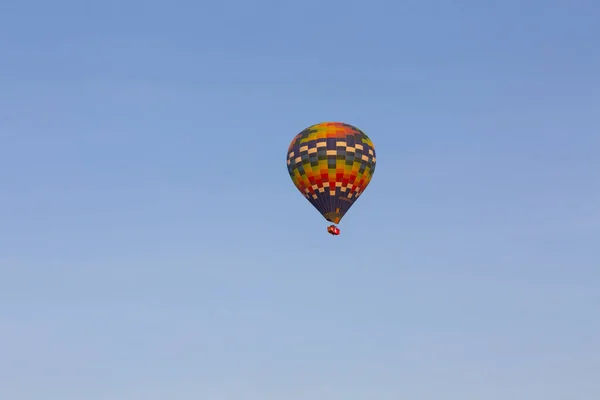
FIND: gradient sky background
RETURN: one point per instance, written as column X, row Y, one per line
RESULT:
column 152, row 245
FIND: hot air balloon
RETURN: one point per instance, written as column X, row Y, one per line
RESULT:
column 331, row 164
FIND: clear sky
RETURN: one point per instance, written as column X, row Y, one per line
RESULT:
column 153, row 247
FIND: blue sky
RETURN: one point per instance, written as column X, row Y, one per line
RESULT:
column 152, row 245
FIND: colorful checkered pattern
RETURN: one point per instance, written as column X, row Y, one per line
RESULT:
column 331, row 164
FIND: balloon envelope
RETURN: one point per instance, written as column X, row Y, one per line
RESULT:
column 331, row 164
